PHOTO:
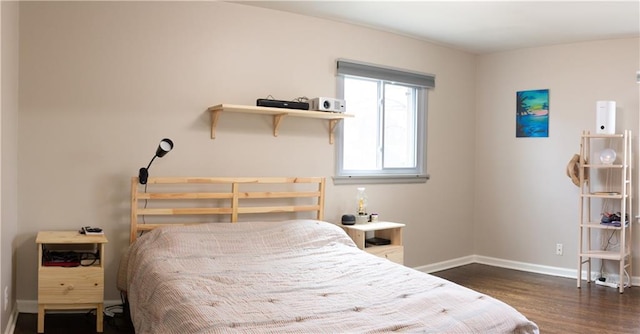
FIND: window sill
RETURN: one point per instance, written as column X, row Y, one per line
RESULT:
column 375, row 179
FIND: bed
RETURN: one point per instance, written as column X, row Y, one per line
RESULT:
column 301, row 275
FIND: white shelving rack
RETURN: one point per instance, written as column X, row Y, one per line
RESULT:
column 611, row 184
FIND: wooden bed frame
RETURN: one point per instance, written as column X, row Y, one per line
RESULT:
column 204, row 195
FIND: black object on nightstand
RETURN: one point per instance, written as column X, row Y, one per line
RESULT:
column 348, row 220
column 378, row 241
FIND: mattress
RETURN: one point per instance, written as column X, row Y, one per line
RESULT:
column 299, row 276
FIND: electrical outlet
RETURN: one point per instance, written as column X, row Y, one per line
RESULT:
column 558, row 249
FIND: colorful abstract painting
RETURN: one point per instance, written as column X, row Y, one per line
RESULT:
column 532, row 115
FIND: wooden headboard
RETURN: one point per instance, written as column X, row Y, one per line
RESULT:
column 208, row 197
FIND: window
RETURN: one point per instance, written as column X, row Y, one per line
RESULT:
column 386, row 140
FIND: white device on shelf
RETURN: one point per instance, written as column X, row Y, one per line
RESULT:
column 606, row 117
column 327, row 104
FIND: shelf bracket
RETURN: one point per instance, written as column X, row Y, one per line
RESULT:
column 276, row 123
column 332, row 127
column 215, row 114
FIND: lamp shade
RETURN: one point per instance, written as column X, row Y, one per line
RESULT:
column 164, row 147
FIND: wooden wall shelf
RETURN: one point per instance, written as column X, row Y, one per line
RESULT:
column 278, row 114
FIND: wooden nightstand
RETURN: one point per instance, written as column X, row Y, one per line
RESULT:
column 70, row 288
column 387, row 230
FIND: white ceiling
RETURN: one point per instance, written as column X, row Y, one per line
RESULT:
column 481, row 26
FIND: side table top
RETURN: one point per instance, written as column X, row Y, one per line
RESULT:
column 374, row 226
column 69, row 237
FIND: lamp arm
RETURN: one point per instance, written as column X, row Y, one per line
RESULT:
column 150, row 162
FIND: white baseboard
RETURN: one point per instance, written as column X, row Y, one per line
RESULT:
column 444, row 265
column 516, row 265
column 13, row 319
column 528, row 267
column 31, row 306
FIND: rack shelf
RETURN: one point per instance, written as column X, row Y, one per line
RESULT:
column 597, row 225
column 278, row 115
column 615, row 191
column 607, row 255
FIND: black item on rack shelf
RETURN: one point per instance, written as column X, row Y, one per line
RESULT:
column 613, row 219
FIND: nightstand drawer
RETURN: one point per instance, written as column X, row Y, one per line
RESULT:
column 392, row 253
column 70, row 285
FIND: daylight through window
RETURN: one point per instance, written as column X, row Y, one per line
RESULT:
column 386, row 140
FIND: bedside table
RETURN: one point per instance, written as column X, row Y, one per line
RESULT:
column 70, row 288
column 393, row 231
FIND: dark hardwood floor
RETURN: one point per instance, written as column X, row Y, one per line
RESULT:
column 72, row 323
column 554, row 303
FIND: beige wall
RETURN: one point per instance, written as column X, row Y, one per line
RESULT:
column 8, row 157
column 102, row 83
column 524, row 202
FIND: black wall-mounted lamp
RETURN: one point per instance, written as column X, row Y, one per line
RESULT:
column 163, row 148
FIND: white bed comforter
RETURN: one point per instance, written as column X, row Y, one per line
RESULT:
column 301, row 276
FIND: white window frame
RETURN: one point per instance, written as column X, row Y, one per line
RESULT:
column 421, row 83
